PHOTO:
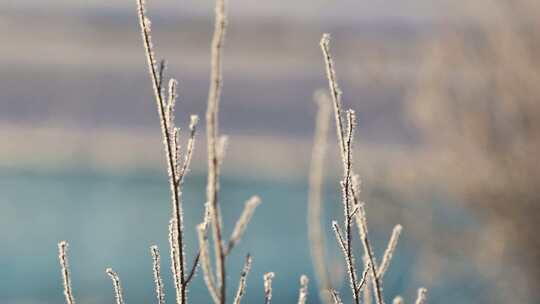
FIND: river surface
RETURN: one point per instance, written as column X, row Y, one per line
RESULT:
column 112, row 220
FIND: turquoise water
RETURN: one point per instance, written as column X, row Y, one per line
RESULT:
column 111, row 220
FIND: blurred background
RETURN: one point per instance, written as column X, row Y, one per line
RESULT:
column 446, row 94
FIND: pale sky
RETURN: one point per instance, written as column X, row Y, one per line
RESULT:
column 351, row 10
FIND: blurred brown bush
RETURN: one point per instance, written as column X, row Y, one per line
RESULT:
column 477, row 107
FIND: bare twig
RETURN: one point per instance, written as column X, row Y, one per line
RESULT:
column 345, row 144
column 318, row 156
column 243, row 280
column 176, row 148
column 339, row 237
column 361, row 222
column 303, row 292
column 174, row 259
column 346, row 189
column 242, row 222
column 351, row 188
column 182, row 171
column 348, row 194
column 116, row 285
column 66, row 274
column 364, row 278
column 169, row 151
column 422, row 296
column 344, row 248
column 194, row 267
column 205, row 262
column 398, row 300
column 355, row 209
column 387, row 257
column 197, row 261
column 157, row 274
column 335, row 296
column 212, row 134
column 161, row 72
column 170, row 108
column 268, row 277
column 335, row 92
column 367, row 294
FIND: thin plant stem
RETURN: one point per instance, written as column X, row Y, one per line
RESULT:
column 174, row 259
column 205, row 263
column 168, row 142
column 422, row 296
column 242, row 222
column 182, row 171
column 243, row 280
column 197, row 261
column 367, row 296
column 161, row 72
column 66, row 274
column 361, row 222
column 160, row 294
column 335, row 92
column 316, row 236
column 303, row 292
column 398, row 300
column 345, row 144
column 346, row 184
column 268, row 277
column 116, row 285
column 335, row 296
column 193, row 270
column 339, row 237
column 364, row 278
column 389, row 252
column 212, row 134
